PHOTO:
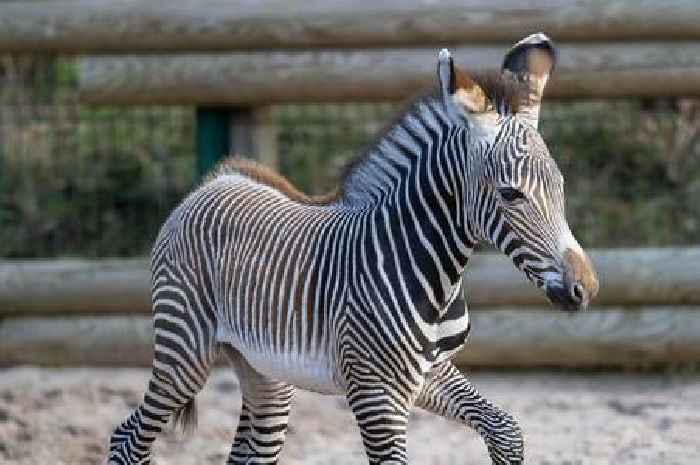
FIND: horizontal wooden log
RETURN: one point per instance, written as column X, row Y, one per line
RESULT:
column 628, row 277
column 75, row 286
column 615, row 337
column 258, row 78
column 180, row 25
column 499, row 338
column 663, row 276
column 112, row 341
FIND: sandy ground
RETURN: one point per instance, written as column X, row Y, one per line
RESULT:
column 65, row 417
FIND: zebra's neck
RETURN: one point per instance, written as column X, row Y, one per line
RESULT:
column 376, row 175
column 413, row 179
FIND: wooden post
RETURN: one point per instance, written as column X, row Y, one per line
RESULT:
column 254, row 135
column 244, row 132
column 213, row 138
column 265, row 133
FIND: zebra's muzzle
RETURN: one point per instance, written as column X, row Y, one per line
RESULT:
column 570, row 298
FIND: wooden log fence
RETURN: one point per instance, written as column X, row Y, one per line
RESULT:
column 199, row 26
column 666, row 276
column 505, row 337
column 232, row 59
column 74, row 287
column 78, row 312
column 652, row 69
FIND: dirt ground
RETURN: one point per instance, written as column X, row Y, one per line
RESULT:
column 65, row 417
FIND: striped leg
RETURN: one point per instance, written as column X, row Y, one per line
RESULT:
column 183, row 354
column 132, row 440
column 381, row 405
column 262, row 425
column 449, row 394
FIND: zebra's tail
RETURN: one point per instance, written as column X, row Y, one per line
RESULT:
column 185, row 419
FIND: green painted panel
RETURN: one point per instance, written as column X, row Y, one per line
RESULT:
column 213, row 137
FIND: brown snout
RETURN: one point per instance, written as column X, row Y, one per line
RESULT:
column 580, row 277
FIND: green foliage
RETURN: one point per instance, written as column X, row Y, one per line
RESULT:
column 628, row 182
column 101, row 187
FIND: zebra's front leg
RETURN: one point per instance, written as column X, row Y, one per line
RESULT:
column 381, row 404
column 262, row 424
column 449, row 394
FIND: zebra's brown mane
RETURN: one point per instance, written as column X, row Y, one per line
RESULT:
column 503, row 94
column 269, row 177
column 408, row 107
column 500, row 91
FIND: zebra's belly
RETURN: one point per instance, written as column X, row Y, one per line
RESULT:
column 316, row 373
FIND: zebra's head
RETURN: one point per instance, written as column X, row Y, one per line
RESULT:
column 512, row 181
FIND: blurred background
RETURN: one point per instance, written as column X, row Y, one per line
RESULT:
column 111, row 111
column 96, row 180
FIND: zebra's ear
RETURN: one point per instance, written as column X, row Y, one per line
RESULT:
column 529, row 63
column 459, row 91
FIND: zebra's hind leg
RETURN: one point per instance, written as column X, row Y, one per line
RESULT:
column 262, row 425
column 181, row 366
column 449, row 394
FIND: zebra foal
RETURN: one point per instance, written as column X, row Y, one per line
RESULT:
column 351, row 294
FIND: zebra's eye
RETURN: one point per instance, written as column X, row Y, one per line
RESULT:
column 510, row 194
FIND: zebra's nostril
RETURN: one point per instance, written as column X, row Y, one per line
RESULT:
column 578, row 293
